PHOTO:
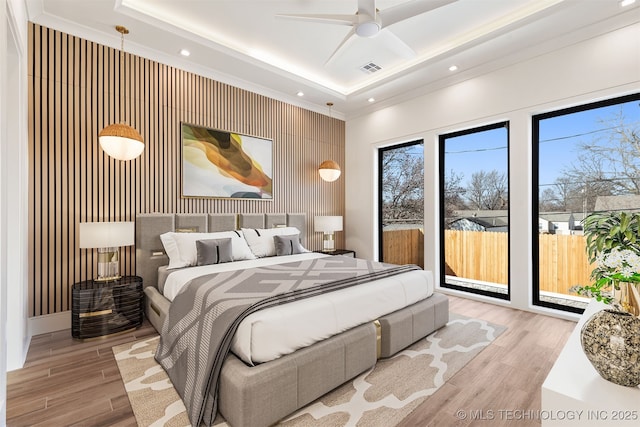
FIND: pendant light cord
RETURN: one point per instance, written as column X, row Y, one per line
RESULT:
column 120, row 77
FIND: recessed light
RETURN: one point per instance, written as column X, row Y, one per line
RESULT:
column 300, row 93
column 453, row 68
column 371, row 100
column 625, row 3
column 184, row 52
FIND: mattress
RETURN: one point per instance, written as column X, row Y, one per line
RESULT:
column 274, row 332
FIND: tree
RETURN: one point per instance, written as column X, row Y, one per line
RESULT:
column 487, row 190
column 563, row 195
column 606, row 165
column 453, row 193
column 567, row 191
column 549, row 202
column 403, row 184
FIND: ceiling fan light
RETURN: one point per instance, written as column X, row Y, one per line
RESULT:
column 368, row 29
column 121, row 141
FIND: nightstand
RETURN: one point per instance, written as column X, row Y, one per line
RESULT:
column 105, row 308
column 346, row 252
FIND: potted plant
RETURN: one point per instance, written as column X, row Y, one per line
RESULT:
column 609, row 337
column 613, row 245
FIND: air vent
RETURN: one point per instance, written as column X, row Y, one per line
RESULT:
column 370, row 67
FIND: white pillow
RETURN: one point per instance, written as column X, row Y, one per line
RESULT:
column 182, row 250
column 261, row 242
column 171, row 248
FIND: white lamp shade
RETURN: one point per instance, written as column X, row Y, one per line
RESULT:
column 120, row 147
column 106, row 234
column 327, row 224
column 329, row 170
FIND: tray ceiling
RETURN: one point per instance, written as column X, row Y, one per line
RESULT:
column 245, row 43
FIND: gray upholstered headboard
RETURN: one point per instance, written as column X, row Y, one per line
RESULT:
column 150, row 253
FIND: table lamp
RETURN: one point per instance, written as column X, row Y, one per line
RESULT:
column 328, row 225
column 107, row 237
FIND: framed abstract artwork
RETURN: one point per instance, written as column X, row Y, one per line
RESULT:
column 217, row 163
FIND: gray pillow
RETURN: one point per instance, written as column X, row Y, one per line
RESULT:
column 213, row 251
column 288, row 245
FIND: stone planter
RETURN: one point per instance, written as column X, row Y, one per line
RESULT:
column 611, row 341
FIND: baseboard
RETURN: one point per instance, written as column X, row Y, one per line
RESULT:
column 49, row 323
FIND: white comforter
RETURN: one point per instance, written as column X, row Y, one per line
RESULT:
column 273, row 332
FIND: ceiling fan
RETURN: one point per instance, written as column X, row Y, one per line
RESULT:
column 368, row 21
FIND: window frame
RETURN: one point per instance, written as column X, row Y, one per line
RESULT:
column 441, row 165
column 381, row 151
column 535, row 182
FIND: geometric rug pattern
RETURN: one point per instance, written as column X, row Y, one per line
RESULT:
column 382, row 396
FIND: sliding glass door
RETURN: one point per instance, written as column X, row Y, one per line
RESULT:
column 474, row 210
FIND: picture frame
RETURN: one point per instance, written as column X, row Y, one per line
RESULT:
column 223, row 164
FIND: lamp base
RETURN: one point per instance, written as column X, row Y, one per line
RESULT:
column 328, row 243
column 108, row 265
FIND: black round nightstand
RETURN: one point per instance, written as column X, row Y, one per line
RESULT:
column 105, row 308
column 346, row 252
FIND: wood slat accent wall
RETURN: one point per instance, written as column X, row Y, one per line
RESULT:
column 74, row 88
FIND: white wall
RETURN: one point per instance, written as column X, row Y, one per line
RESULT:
column 3, row 218
column 17, row 168
column 14, row 339
column 600, row 68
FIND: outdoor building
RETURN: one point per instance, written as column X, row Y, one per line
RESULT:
column 561, row 222
column 627, row 202
column 480, row 220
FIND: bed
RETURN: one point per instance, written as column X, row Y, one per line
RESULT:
column 260, row 387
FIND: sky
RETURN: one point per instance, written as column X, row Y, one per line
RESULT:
column 475, row 152
column 559, row 135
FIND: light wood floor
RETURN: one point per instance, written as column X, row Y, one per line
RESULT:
column 66, row 382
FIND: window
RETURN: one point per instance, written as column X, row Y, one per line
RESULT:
column 401, row 203
column 474, row 210
column 586, row 159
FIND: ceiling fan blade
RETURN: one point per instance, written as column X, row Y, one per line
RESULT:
column 324, row 19
column 367, row 8
column 409, row 9
column 343, row 44
column 396, row 44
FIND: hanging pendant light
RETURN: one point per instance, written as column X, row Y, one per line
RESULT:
column 329, row 170
column 120, row 140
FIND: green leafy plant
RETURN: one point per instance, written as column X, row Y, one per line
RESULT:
column 613, row 246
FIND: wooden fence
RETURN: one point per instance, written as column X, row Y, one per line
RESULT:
column 477, row 255
column 482, row 255
column 564, row 263
column 403, row 246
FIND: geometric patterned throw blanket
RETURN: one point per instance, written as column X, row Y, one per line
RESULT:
column 203, row 318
